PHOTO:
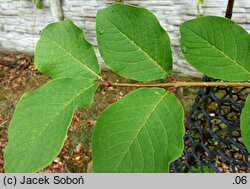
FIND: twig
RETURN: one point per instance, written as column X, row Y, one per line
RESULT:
column 184, row 84
column 229, row 11
column 11, row 79
column 9, row 64
column 3, row 123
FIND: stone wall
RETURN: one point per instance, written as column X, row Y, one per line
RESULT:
column 21, row 22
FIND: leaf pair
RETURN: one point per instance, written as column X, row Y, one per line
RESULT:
column 41, row 119
column 142, row 132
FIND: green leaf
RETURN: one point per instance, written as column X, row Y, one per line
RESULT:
column 217, row 47
column 39, row 4
column 142, row 132
column 63, row 51
column 201, row 1
column 245, row 123
column 40, row 122
column 133, row 43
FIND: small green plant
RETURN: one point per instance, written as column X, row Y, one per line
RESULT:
column 39, row 4
column 143, row 131
column 198, row 7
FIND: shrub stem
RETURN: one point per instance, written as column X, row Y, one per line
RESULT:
column 184, row 84
column 229, row 11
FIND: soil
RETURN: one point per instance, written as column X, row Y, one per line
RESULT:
column 18, row 75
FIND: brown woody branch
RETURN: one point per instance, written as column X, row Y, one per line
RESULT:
column 229, row 11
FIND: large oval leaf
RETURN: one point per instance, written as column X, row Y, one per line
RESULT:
column 39, row 125
column 245, row 124
column 63, row 51
column 133, row 43
column 142, row 132
column 217, row 47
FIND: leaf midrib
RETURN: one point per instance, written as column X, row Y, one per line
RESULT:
column 144, row 52
column 77, row 60
column 56, row 115
column 142, row 126
column 213, row 46
column 51, row 120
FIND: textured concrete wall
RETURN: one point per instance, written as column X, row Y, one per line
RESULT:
column 20, row 22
